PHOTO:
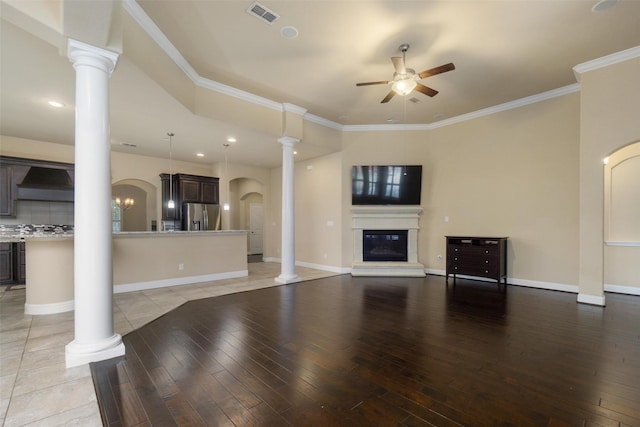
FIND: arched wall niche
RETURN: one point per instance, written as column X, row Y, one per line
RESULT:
column 622, row 196
column 144, row 211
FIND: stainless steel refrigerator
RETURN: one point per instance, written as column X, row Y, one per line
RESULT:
column 200, row 216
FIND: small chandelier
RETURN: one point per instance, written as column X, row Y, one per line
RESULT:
column 126, row 204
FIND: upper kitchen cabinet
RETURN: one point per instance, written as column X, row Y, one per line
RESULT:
column 35, row 180
column 198, row 189
column 6, row 191
column 187, row 189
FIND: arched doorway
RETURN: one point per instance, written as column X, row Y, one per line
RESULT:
column 247, row 211
column 142, row 215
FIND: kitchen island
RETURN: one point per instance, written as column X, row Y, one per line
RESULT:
column 141, row 260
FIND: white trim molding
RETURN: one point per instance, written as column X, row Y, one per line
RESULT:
column 550, row 286
column 163, row 42
column 620, row 289
column 565, row 90
column 605, row 61
column 591, row 299
column 53, row 308
column 153, row 284
column 629, row 244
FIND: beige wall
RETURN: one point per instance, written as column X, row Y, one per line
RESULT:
column 513, row 173
column 318, row 210
column 609, row 108
column 141, row 259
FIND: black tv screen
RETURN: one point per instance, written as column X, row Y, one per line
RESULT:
column 386, row 185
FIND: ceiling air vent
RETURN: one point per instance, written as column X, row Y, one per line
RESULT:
column 262, row 13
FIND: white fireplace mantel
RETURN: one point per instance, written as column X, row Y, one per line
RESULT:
column 386, row 218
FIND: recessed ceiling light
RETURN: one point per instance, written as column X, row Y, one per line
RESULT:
column 603, row 5
column 231, row 139
column 295, row 152
column 200, row 154
column 289, row 32
column 56, row 104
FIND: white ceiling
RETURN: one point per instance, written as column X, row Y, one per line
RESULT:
column 503, row 51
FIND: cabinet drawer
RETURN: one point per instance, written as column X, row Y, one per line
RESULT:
column 473, row 260
column 475, row 270
column 474, row 250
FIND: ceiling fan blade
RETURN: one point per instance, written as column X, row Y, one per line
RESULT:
column 426, row 90
column 381, row 82
column 388, row 97
column 437, row 70
column 398, row 63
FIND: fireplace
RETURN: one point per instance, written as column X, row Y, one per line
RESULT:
column 384, row 245
column 385, row 241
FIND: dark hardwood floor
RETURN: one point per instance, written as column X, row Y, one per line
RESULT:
column 346, row 351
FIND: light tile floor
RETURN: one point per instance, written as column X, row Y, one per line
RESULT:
column 35, row 387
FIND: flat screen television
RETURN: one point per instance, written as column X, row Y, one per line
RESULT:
column 386, row 185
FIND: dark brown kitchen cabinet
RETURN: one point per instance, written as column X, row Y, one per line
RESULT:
column 186, row 189
column 477, row 256
column 12, row 263
column 197, row 189
column 6, row 190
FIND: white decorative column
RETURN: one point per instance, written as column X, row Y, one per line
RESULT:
column 287, row 269
column 94, row 338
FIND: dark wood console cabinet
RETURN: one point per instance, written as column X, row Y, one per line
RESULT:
column 187, row 189
column 477, row 256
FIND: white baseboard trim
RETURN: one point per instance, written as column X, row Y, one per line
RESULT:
column 339, row 270
column 591, row 299
column 163, row 283
column 53, row 308
column 516, row 282
column 619, row 289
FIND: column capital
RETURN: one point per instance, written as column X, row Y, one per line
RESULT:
column 288, row 140
column 86, row 54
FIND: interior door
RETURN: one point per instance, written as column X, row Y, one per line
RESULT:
column 256, row 216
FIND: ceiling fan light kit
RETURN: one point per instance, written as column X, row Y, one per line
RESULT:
column 405, row 80
column 404, row 85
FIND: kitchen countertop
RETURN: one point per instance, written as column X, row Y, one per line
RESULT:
column 22, row 232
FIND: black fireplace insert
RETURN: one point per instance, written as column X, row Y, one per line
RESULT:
column 384, row 245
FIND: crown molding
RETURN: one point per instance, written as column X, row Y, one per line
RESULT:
column 154, row 32
column 139, row 15
column 554, row 93
column 292, row 108
column 323, row 122
column 470, row 116
column 237, row 93
column 605, row 61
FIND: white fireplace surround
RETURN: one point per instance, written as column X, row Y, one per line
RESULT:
column 386, row 218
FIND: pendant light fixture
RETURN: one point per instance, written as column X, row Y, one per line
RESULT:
column 170, row 204
column 225, row 206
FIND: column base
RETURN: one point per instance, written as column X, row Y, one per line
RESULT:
column 288, row 278
column 81, row 354
column 591, row 299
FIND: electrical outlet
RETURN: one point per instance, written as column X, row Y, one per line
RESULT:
column 181, row 266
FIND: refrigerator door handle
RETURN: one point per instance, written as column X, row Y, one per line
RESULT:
column 205, row 215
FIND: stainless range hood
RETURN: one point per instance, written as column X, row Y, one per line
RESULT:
column 46, row 184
